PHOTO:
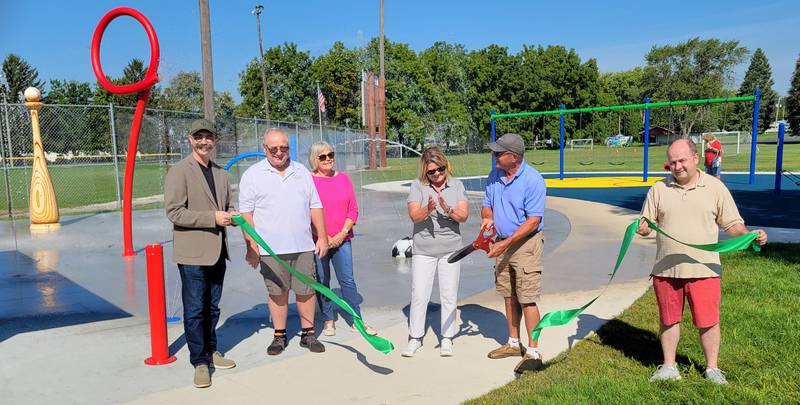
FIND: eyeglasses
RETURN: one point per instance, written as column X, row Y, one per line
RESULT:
column 323, row 157
column 439, row 169
column 498, row 154
column 274, row 150
column 199, row 136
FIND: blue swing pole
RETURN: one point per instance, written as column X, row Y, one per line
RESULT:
column 779, row 159
column 754, row 137
column 561, row 143
column 646, row 137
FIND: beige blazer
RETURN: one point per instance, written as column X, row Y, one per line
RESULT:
column 190, row 207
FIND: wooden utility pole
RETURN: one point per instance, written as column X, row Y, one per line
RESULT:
column 382, row 98
column 370, row 104
column 262, row 60
column 208, row 74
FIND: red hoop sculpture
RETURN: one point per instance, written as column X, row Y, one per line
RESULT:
column 143, row 88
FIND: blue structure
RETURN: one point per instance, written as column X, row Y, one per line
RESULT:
column 779, row 159
column 754, row 138
column 646, row 138
column 243, row 156
column 493, row 136
column 561, row 143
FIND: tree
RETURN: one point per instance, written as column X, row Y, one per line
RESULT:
column 693, row 69
column 184, row 93
column 444, row 64
column 292, row 93
column 69, row 92
column 793, row 100
column 490, row 73
column 19, row 75
column 759, row 75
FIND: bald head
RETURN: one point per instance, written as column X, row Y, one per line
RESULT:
column 276, row 146
column 682, row 159
column 275, row 137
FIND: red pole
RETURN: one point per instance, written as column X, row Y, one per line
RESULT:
column 143, row 88
column 158, row 307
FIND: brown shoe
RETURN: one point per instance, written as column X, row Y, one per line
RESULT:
column 529, row 363
column 202, row 377
column 221, row 362
column 504, row 351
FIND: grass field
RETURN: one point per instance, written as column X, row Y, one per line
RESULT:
column 78, row 186
column 760, row 318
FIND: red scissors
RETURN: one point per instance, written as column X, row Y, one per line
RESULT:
column 143, row 88
column 483, row 242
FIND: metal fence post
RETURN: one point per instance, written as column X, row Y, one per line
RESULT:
column 114, row 152
column 8, row 134
column 255, row 131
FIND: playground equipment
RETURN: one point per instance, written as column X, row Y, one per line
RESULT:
column 143, row 89
column 646, row 107
column 43, row 206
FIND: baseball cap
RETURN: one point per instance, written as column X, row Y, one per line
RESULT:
column 202, row 125
column 509, row 143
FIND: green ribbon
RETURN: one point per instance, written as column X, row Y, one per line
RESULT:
column 563, row 317
column 377, row 342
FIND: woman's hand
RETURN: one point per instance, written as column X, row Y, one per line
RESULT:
column 443, row 204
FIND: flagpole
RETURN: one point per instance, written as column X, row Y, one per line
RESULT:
column 319, row 110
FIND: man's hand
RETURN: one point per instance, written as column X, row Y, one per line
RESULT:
column 643, row 228
column 486, row 224
column 762, row 237
column 321, row 248
column 222, row 218
column 499, row 248
column 252, row 257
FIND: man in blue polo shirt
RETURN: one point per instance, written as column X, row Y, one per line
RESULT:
column 514, row 206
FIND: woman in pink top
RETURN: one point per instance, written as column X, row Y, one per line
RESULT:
column 341, row 213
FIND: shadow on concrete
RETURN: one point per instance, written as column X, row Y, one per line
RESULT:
column 363, row 359
column 34, row 296
column 586, row 325
column 479, row 320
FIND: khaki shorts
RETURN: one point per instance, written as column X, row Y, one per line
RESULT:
column 518, row 271
column 278, row 280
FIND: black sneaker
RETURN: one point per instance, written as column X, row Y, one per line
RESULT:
column 311, row 342
column 276, row 347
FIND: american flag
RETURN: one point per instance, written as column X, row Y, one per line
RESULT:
column 320, row 99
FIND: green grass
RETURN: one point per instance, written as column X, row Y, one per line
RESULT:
column 759, row 321
column 78, row 186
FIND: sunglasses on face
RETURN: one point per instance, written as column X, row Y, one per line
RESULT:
column 498, row 154
column 439, row 169
column 323, row 157
column 274, row 150
column 203, row 135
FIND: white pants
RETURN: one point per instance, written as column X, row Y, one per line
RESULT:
column 423, row 270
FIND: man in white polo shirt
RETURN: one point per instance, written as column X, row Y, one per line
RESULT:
column 277, row 196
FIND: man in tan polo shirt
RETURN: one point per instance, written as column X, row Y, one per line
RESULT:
column 691, row 206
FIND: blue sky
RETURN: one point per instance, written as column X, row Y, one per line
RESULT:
column 54, row 36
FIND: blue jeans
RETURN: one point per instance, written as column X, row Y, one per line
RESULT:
column 342, row 259
column 201, row 290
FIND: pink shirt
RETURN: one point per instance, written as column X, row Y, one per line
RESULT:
column 338, row 202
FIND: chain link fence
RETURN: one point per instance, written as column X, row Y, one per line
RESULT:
column 86, row 151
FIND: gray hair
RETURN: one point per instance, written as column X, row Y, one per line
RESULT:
column 689, row 142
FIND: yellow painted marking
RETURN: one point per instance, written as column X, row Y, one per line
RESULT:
column 600, row 182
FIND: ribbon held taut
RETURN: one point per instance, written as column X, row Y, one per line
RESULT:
column 563, row 317
column 377, row 342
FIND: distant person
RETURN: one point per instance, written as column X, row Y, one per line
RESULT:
column 690, row 206
column 437, row 205
column 713, row 154
column 277, row 196
column 340, row 207
column 197, row 199
column 514, row 205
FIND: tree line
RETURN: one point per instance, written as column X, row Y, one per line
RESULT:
column 445, row 93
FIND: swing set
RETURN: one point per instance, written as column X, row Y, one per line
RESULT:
column 645, row 107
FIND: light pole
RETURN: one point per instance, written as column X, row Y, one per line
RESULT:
column 262, row 60
column 208, row 74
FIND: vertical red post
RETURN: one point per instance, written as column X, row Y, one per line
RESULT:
column 158, row 307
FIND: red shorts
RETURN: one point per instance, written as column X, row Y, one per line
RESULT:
column 703, row 294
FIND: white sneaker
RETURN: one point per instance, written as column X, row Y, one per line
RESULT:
column 446, row 347
column 329, row 329
column 414, row 345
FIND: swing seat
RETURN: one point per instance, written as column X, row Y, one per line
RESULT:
column 585, row 163
column 537, row 163
column 616, row 163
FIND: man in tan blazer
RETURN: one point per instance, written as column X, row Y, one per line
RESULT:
column 197, row 198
